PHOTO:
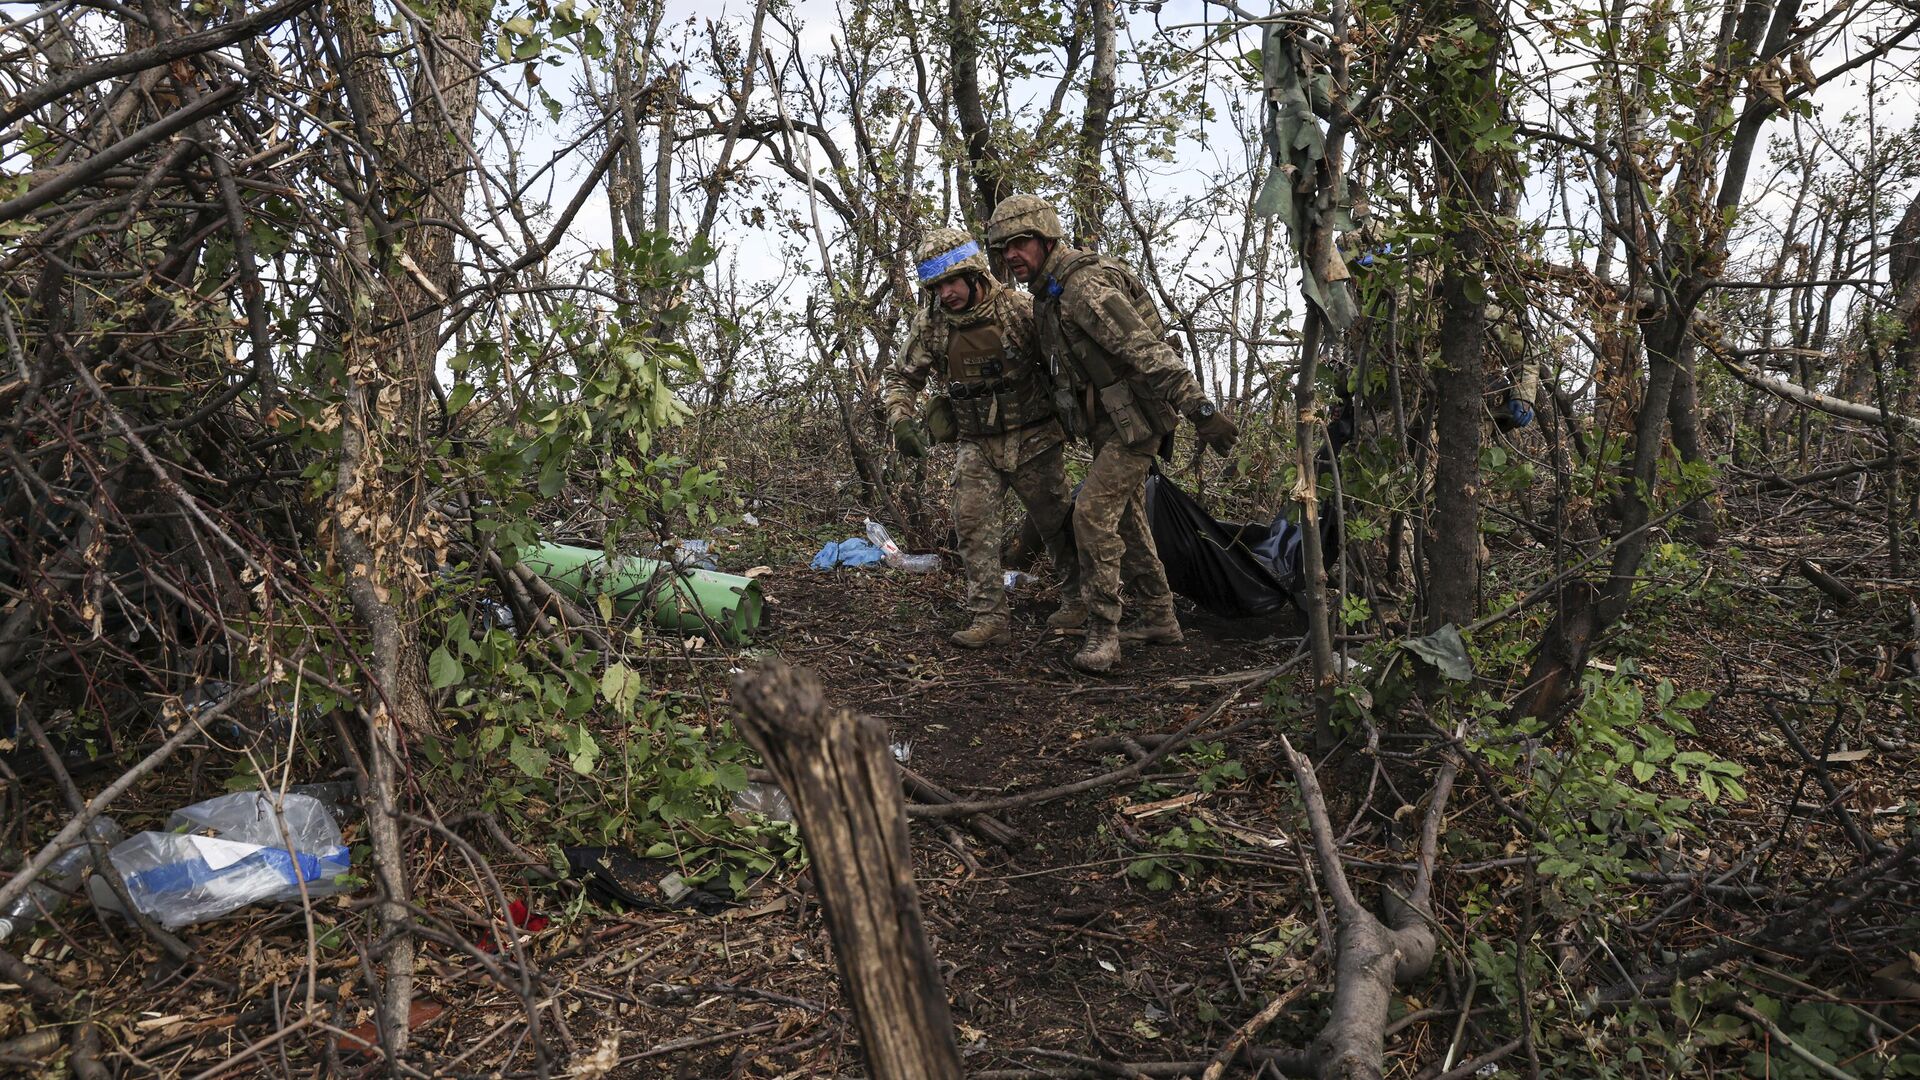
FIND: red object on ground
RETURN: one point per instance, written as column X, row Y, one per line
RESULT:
column 522, row 919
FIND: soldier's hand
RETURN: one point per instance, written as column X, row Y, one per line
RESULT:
column 907, row 440
column 1217, row 432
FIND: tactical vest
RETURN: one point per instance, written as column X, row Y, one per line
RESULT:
column 993, row 390
column 1139, row 419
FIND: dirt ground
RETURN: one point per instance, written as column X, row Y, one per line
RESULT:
column 1053, row 946
column 1066, row 950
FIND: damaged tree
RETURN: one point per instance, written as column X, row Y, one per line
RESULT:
column 836, row 768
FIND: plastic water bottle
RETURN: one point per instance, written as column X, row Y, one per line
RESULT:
column 57, row 883
column 890, row 552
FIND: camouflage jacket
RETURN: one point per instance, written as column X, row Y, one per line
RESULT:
column 1103, row 337
column 1010, row 435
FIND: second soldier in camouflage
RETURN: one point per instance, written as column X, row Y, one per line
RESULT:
column 1118, row 382
column 976, row 338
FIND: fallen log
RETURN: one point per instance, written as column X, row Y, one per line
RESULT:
column 1838, row 591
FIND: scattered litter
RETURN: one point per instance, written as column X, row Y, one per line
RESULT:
column 749, row 521
column 757, row 572
column 602, row 1061
column 365, row 1039
column 849, row 552
column 522, row 919
column 340, row 797
column 1017, row 579
column 890, row 552
column 617, row 876
column 58, row 882
column 766, row 800
column 684, row 555
column 278, row 716
column 226, row 853
column 1445, row 650
column 495, row 615
column 902, row 751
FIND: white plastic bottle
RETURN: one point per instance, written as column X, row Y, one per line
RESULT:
column 58, row 882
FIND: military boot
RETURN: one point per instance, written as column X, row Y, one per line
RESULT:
column 1102, row 649
column 1072, row 614
column 986, row 630
column 1157, row 624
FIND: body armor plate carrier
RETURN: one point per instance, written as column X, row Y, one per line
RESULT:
column 993, row 390
column 1138, row 420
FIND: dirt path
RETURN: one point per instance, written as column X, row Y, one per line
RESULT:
column 1055, row 945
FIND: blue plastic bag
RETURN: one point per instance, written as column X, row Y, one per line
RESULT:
column 852, row 551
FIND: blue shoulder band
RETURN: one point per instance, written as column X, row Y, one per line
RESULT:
column 1054, row 288
column 940, row 264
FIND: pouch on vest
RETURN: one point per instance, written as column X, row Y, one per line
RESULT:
column 939, row 420
column 1130, row 423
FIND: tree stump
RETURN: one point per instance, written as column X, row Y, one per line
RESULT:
column 838, row 773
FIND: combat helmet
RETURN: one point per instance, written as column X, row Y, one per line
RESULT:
column 1022, row 215
column 948, row 253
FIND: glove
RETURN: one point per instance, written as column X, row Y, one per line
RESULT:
column 907, row 440
column 1217, row 432
column 1516, row 415
column 941, row 423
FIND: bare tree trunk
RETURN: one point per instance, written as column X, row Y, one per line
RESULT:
column 1313, row 557
column 663, row 152
column 983, row 164
column 1470, row 198
column 383, row 540
column 1089, row 195
column 836, row 768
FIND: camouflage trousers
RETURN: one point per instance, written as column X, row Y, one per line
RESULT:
column 979, row 494
column 1110, row 529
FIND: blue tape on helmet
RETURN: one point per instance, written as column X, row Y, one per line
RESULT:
column 940, row 264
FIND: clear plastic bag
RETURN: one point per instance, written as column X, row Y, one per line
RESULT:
column 188, row 876
column 767, row 800
column 56, row 884
column 891, row 554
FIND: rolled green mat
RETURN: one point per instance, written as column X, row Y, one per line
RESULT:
column 686, row 599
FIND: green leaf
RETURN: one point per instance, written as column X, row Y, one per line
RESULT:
column 731, row 776
column 529, row 759
column 443, row 670
column 583, row 750
column 1644, row 771
column 621, row 686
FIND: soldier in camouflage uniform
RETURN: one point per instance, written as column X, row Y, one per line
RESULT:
column 1117, row 381
column 976, row 337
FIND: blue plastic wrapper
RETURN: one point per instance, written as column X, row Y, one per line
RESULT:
column 852, row 551
column 228, row 852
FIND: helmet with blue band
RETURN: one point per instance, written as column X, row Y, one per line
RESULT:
column 947, row 253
